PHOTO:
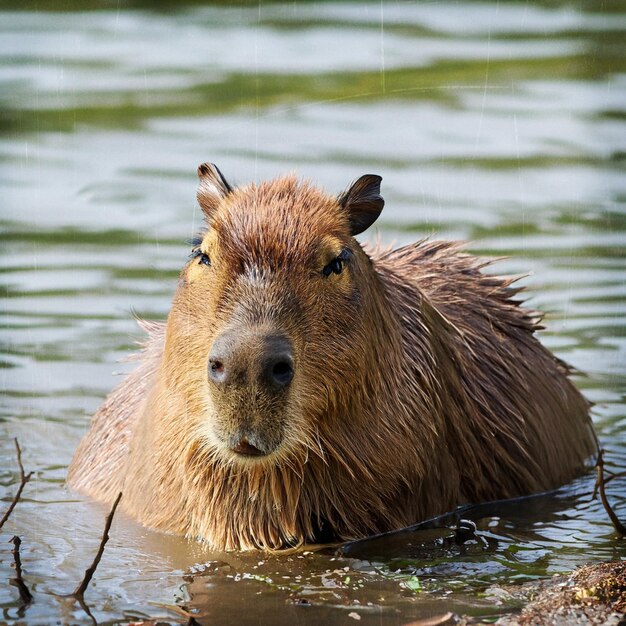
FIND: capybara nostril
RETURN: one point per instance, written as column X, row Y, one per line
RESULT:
column 279, row 370
column 220, row 360
column 217, row 372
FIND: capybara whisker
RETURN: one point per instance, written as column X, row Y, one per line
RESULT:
column 307, row 388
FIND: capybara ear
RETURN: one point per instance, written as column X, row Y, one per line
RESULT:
column 213, row 188
column 362, row 202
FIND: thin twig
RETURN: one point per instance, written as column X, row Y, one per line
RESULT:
column 24, row 478
column 79, row 592
column 25, row 595
column 84, row 607
column 599, row 487
column 610, row 478
column 174, row 608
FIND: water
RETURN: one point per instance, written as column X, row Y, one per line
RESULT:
column 499, row 123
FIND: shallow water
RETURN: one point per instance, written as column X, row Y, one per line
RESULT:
column 501, row 123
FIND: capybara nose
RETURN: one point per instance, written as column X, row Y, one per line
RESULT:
column 240, row 359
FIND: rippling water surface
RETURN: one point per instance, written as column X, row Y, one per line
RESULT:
column 500, row 123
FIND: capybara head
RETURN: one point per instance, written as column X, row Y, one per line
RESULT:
column 268, row 330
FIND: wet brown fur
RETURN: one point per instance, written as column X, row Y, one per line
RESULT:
column 419, row 385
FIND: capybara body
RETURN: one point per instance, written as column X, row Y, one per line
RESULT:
column 305, row 388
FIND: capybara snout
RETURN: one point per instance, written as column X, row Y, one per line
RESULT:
column 253, row 358
column 250, row 370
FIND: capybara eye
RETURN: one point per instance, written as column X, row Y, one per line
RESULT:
column 334, row 267
column 337, row 264
column 203, row 259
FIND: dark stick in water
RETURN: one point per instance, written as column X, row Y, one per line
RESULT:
column 79, row 592
column 24, row 478
column 599, row 487
column 25, row 595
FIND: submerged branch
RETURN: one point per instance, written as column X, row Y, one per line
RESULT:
column 601, row 482
column 25, row 595
column 79, row 592
column 24, row 478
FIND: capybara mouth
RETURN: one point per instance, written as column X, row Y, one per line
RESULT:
column 247, row 449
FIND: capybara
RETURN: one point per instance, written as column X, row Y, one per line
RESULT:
column 306, row 388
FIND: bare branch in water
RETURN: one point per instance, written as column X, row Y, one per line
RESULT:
column 599, row 488
column 85, row 608
column 24, row 478
column 25, row 595
column 612, row 476
column 79, row 592
column 174, row 608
